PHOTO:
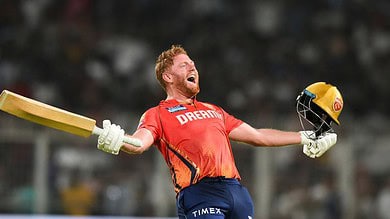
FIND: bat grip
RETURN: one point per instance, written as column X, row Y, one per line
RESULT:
column 129, row 140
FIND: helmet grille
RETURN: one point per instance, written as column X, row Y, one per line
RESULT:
column 311, row 116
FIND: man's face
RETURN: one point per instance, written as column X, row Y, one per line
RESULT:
column 185, row 77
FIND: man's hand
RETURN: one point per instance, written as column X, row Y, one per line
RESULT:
column 307, row 137
column 316, row 148
column 308, row 143
column 111, row 140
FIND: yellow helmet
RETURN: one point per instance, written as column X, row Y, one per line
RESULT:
column 328, row 104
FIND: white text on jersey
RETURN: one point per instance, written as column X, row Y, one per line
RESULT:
column 196, row 115
column 205, row 211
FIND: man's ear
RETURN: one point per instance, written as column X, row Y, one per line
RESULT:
column 167, row 77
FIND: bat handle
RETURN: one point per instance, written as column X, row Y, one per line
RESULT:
column 129, row 140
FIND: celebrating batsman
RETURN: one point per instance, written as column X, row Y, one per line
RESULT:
column 194, row 138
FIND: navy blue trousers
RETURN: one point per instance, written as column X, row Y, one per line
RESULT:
column 215, row 198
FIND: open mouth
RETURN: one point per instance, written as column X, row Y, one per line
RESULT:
column 191, row 79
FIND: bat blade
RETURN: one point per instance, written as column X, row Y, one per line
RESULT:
column 44, row 114
column 50, row 116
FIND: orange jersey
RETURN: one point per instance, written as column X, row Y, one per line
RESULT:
column 193, row 140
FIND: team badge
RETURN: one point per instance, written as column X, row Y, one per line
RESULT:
column 337, row 104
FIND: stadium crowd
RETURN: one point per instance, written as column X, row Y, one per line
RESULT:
column 96, row 57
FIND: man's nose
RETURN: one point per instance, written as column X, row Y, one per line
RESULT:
column 191, row 66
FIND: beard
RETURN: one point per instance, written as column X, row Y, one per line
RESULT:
column 189, row 89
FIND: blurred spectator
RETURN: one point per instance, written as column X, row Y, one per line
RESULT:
column 120, row 194
column 78, row 198
column 23, row 199
column 383, row 200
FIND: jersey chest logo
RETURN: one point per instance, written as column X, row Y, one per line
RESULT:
column 186, row 117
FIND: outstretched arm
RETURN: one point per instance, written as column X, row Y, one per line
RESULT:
column 145, row 137
column 111, row 139
column 264, row 137
column 274, row 138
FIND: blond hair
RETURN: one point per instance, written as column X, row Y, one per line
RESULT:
column 165, row 61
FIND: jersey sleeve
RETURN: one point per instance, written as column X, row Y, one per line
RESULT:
column 150, row 120
column 231, row 122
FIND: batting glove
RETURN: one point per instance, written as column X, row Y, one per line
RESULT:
column 309, row 145
column 111, row 139
column 325, row 142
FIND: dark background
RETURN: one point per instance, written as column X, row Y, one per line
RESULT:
column 96, row 57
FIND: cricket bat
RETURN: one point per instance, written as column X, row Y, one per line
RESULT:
column 52, row 117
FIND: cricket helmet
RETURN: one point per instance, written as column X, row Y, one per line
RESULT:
column 318, row 106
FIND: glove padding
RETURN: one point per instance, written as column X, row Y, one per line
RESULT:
column 325, row 142
column 318, row 147
column 111, row 139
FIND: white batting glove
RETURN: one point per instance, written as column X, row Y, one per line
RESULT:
column 111, row 140
column 325, row 142
column 307, row 137
column 309, row 145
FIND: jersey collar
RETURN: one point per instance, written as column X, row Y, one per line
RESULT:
column 176, row 102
